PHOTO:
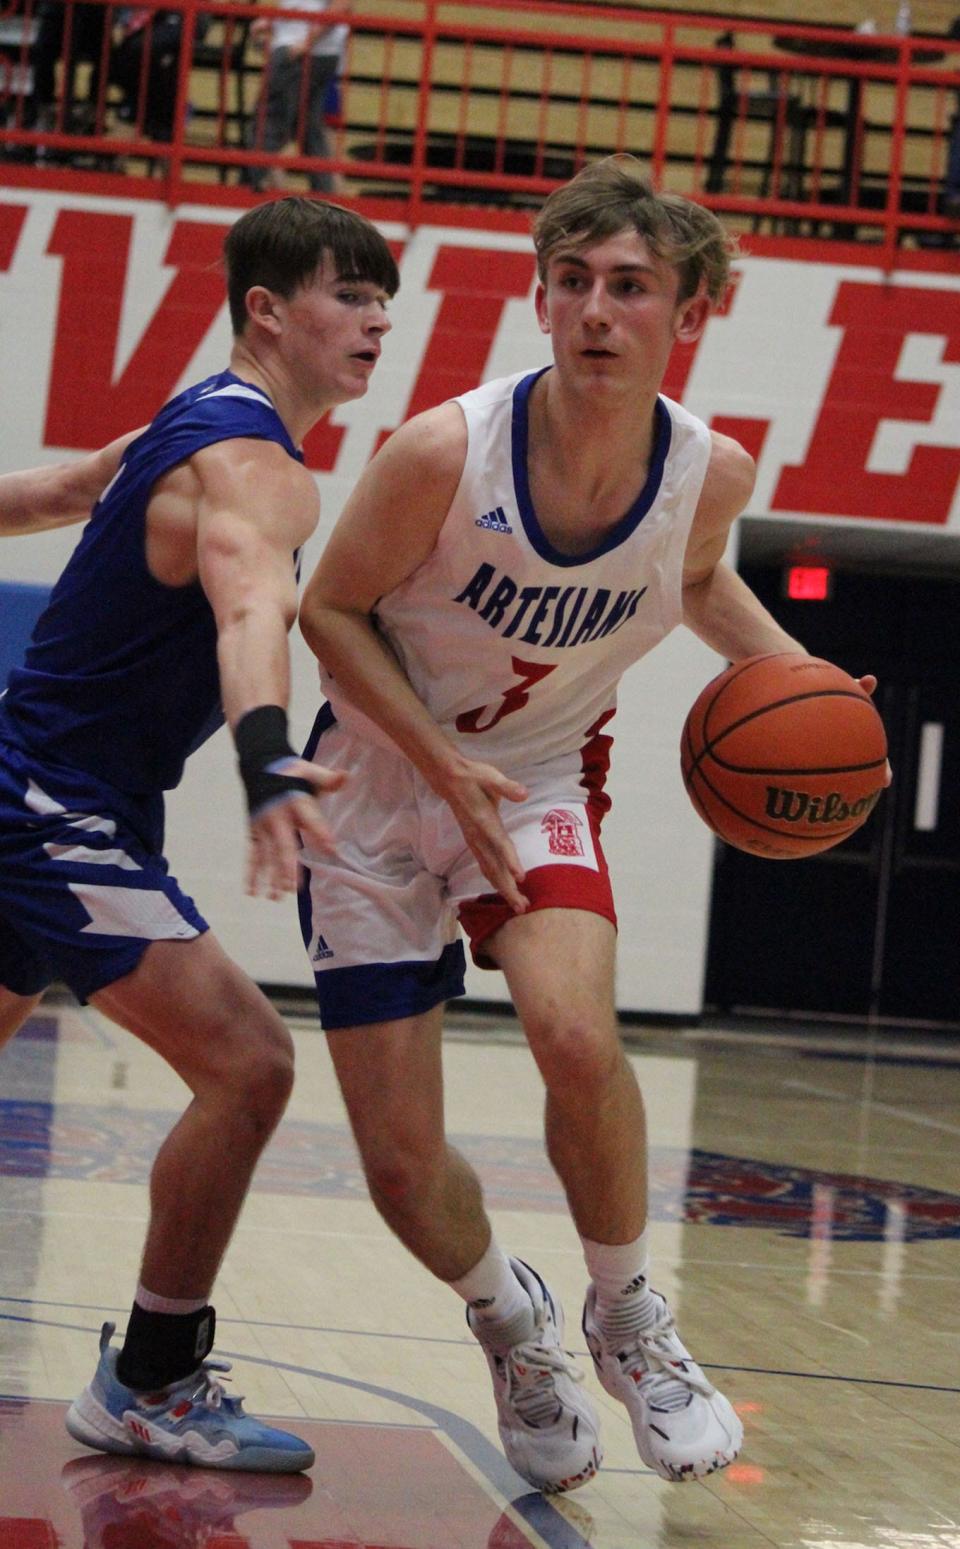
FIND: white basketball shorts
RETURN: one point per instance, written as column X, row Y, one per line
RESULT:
column 381, row 917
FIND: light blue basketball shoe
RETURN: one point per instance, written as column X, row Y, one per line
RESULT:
column 191, row 1421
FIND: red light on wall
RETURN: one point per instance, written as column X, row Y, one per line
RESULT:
column 808, row 583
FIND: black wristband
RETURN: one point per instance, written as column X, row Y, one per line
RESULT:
column 262, row 750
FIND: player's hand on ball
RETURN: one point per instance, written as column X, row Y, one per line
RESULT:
column 869, row 685
column 784, row 754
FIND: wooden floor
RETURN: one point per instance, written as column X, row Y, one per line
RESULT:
column 805, row 1222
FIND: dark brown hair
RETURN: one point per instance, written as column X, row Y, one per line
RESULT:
column 611, row 195
column 282, row 243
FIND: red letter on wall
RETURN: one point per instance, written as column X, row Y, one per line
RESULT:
column 862, row 391
column 87, row 406
column 476, row 282
column 12, row 217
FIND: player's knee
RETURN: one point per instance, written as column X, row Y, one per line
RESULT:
column 265, row 1076
column 579, row 1056
column 400, row 1179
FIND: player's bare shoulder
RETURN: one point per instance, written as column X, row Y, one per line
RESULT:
column 431, row 446
column 392, row 518
column 731, row 475
column 241, row 460
column 258, row 478
column 727, row 487
column 240, row 489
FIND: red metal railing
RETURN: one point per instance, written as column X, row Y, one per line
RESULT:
column 812, row 130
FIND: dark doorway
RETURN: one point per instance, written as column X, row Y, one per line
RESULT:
column 872, row 928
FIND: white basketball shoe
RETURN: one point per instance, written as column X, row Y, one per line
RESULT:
column 684, row 1428
column 548, row 1426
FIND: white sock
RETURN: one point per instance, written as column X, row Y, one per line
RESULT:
column 625, row 1302
column 177, row 1307
column 492, row 1291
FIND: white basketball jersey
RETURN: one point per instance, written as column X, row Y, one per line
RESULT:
column 516, row 648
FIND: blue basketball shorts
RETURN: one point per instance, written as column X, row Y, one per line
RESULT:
column 381, row 917
column 84, row 888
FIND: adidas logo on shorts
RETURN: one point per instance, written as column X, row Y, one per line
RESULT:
column 494, row 521
column 321, row 951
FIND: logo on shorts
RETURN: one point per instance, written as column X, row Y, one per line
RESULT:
column 321, row 951
column 494, row 521
column 561, row 827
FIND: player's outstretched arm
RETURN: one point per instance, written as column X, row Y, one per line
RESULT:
column 38, row 499
column 255, row 508
column 388, row 528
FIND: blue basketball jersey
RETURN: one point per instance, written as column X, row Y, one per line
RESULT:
column 121, row 678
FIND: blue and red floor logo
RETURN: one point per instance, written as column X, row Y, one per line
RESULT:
column 100, row 1144
column 732, row 1191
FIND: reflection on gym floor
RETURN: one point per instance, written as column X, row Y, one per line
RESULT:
column 805, row 1223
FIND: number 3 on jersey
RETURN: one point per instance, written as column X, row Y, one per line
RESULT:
column 515, row 697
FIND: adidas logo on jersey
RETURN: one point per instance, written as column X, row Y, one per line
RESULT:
column 321, row 951
column 494, row 521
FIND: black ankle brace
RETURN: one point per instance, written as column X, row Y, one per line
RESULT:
column 162, row 1347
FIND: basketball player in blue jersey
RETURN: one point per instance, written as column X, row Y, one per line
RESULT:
column 171, row 615
column 501, row 562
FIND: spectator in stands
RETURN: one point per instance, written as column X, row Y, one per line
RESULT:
column 950, row 197
column 80, row 41
column 155, row 34
column 303, row 63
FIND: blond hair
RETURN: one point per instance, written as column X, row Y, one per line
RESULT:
column 610, row 195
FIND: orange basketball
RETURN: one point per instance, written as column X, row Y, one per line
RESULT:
column 783, row 755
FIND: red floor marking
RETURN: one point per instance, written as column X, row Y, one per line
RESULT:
column 372, row 1487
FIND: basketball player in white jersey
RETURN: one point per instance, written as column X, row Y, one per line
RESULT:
column 171, row 615
column 502, row 561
